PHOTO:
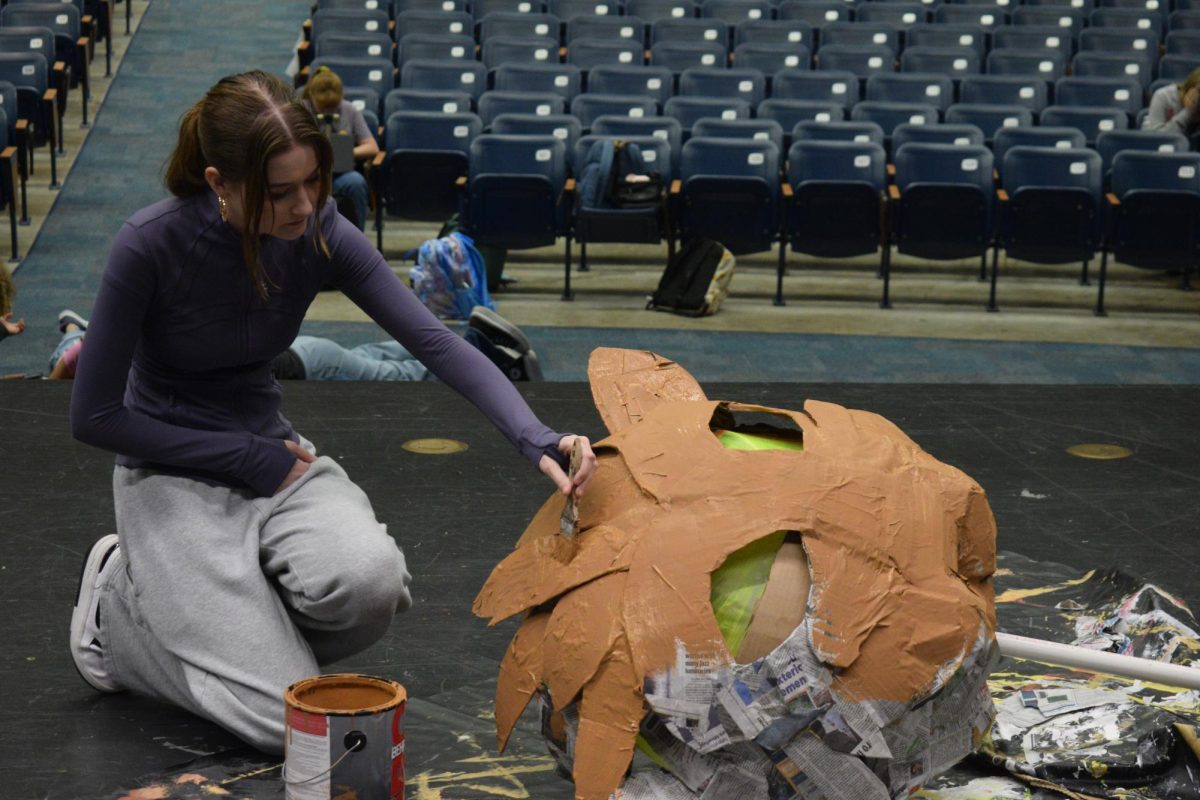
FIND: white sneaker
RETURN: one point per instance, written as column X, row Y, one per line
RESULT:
column 86, row 642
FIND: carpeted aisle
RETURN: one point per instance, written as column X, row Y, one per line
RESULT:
column 181, row 48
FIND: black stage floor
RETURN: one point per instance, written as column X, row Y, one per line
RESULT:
column 457, row 515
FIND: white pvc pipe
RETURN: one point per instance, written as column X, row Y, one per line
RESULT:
column 1071, row 655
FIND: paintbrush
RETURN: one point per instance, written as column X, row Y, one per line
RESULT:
column 569, row 522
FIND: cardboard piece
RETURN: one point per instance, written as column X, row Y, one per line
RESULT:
column 883, row 664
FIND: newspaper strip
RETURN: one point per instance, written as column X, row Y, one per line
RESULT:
column 839, row 776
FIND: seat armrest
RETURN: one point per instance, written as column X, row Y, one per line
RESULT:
column 1113, row 200
column 569, row 186
column 461, row 181
column 786, row 188
column 893, row 192
column 676, row 186
column 1002, row 195
column 891, row 170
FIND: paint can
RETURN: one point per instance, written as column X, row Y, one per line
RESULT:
column 344, row 737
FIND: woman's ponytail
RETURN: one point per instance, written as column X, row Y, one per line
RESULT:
column 185, row 169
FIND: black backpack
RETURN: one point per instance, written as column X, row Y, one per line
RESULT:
column 695, row 281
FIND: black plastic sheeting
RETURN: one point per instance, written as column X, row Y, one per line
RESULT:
column 451, row 739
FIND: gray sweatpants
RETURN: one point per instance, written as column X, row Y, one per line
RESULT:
column 221, row 599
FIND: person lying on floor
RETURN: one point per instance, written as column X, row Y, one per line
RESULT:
column 316, row 358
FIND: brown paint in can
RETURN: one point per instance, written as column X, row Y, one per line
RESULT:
column 344, row 736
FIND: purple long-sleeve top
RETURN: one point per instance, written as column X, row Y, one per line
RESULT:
column 176, row 373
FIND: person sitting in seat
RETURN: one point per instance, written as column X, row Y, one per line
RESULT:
column 337, row 116
column 1176, row 108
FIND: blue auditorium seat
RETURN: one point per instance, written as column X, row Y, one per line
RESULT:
column 656, row 82
column 945, row 35
column 1093, row 64
column 957, row 62
column 1036, row 136
column 957, row 135
column 902, row 14
column 678, row 56
column 519, row 49
column 430, row 21
column 862, row 61
column 1049, row 65
column 765, row 130
column 1029, row 91
column 481, row 8
column 513, row 23
column 728, row 191
column 989, row 118
column 337, row 20
column 735, row 11
column 348, row 45
column 690, row 30
column 1122, row 93
column 1136, row 19
column 889, row 115
column 815, row 12
column 1109, row 143
column 606, row 27
column 446, row 102
column 590, row 105
column 943, row 200
column 1155, row 214
column 834, row 203
column 770, row 57
column 1092, row 120
column 445, row 75
column 1051, row 208
column 1176, row 66
column 566, row 10
column 985, row 16
column 1034, row 38
column 566, row 127
column 634, row 226
column 689, row 109
column 826, row 86
column 564, row 79
column 1120, row 40
column 589, row 53
column 514, row 192
column 650, row 10
column 493, row 103
column 856, row 131
column 790, row 113
column 746, row 84
column 662, row 128
column 423, row 154
column 774, row 31
column 858, row 34
column 935, row 89
column 376, row 74
column 1068, row 20
column 439, row 46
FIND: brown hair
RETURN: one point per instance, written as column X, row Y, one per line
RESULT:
column 323, row 89
column 1189, row 83
column 7, row 291
column 239, row 125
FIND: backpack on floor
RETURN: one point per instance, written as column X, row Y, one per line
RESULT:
column 696, row 281
column 450, row 278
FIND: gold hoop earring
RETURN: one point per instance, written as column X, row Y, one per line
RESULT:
column 223, row 208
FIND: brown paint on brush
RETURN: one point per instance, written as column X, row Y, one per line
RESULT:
column 900, row 548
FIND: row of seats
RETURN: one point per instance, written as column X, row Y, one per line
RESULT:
column 371, row 83
column 889, row 26
column 486, row 132
column 417, row 131
column 830, row 197
column 730, row 10
column 957, row 51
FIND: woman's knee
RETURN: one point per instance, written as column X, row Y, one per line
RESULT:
column 366, row 581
